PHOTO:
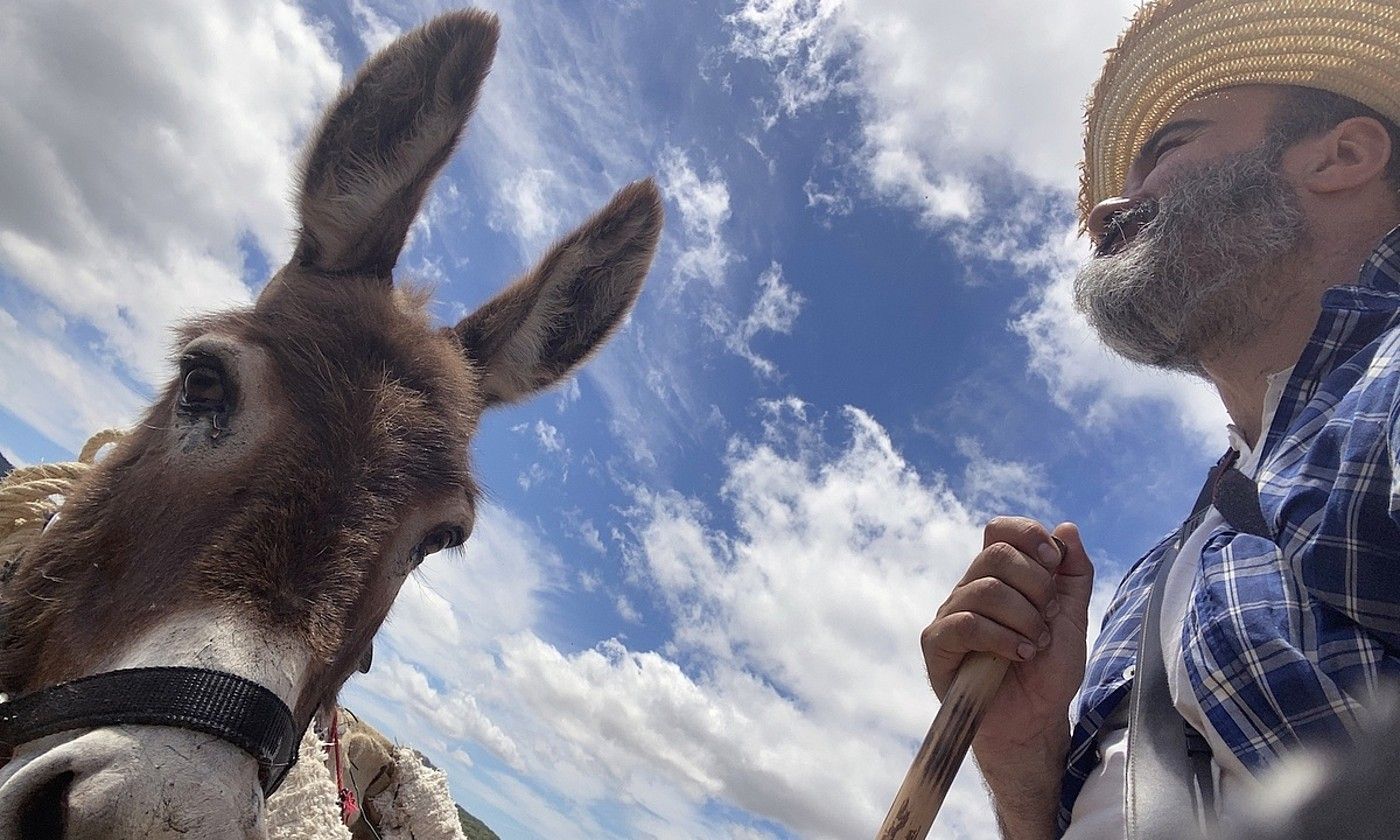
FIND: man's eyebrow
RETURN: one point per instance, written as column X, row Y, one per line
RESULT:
column 1149, row 149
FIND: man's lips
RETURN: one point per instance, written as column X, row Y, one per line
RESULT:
column 1122, row 226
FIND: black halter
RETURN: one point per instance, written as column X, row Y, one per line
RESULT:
column 229, row 707
column 216, row 703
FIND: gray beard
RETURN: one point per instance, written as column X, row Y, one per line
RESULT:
column 1207, row 273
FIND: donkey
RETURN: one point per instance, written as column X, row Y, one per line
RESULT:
column 310, row 452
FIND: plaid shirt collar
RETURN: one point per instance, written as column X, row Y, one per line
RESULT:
column 1279, row 651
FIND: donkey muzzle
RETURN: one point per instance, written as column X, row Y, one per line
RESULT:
column 131, row 783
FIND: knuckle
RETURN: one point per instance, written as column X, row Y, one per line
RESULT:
column 998, row 525
column 1001, row 555
column 964, row 624
column 986, row 590
column 1014, row 528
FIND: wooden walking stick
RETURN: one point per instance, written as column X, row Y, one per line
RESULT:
column 941, row 754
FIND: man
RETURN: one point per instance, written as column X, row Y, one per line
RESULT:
column 1241, row 168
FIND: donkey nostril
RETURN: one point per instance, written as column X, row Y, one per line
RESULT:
column 45, row 814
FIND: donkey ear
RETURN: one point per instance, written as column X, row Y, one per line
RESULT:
column 383, row 141
column 549, row 321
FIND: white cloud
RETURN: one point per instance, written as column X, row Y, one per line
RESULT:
column 791, row 690
column 134, row 177
column 555, row 132
column 836, row 562
column 36, row 369
column 374, row 30
column 996, row 487
column 586, row 531
column 948, row 93
column 704, row 209
column 533, row 475
column 568, row 395
column 804, row 43
column 951, row 97
column 561, row 125
column 830, row 201
column 528, row 205
column 548, row 436
column 626, row 611
column 450, row 716
column 775, row 310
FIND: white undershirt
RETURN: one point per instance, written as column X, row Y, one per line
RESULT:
column 1098, row 810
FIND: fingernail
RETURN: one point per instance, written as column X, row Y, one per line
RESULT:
column 1052, row 609
column 1044, row 640
column 1049, row 555
column 1024, row 650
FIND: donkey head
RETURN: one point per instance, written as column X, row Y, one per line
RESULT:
column 309, row 453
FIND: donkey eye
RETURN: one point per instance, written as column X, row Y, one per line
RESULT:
column 441, row 537
column 203, row 388
column 204, row 384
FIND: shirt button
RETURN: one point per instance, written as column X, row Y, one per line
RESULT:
column 1129, row 672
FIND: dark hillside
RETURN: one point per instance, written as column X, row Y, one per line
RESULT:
column 474, row 828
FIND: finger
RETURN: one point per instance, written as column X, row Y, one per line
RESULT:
column 1004, row 562
column 949, row 639
column 1026, row 535
column 1074, row 579
column 1002, row 603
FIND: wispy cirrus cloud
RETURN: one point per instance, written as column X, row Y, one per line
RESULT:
column 775, row 310
column 703, row 205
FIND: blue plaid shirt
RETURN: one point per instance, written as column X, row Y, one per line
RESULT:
column 1285, row 638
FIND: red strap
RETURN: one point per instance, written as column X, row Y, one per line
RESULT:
column 349, row 808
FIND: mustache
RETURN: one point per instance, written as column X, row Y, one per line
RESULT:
column 1124, row 225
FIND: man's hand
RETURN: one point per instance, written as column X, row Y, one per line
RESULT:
column 1023, row 601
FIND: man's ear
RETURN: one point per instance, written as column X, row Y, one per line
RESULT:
column 549, row 321
column 1354, row 153
column 384, row 139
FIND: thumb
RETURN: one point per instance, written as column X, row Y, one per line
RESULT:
column 1074, row 578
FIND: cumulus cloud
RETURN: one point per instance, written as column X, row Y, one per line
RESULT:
column 450, row 716
column 791, row 688
column 806, row 695
column 135, row 177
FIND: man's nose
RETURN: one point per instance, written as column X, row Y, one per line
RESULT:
column 1102, row 212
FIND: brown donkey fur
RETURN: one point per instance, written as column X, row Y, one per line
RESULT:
column 315, row 445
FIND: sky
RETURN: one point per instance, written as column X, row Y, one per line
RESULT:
column 692, row 605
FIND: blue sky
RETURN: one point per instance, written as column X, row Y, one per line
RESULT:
column 693, row 605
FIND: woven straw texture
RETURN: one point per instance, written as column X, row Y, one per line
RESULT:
column 1175, row 50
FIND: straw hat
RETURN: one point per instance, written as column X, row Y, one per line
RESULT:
column 1175, row 50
